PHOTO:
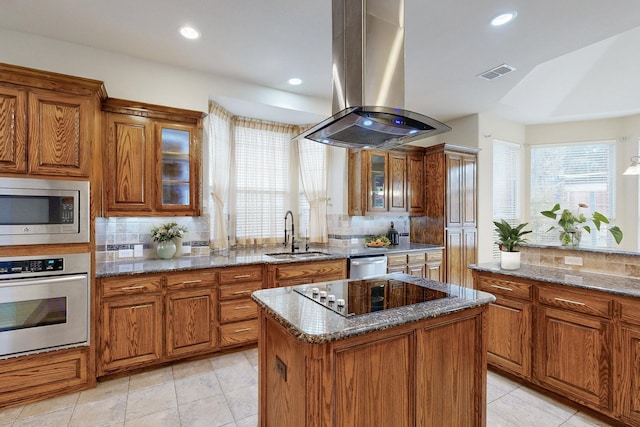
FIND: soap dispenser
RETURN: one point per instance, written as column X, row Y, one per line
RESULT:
column 393, row 235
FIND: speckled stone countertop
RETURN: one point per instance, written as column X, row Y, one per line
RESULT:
column 310, row 322
column 601, row 282
column 242, row 256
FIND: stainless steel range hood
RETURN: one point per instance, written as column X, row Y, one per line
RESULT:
column 368, row 80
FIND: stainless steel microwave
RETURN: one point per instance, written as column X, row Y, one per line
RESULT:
column 43, row 211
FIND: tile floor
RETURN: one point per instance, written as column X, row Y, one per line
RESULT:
column 223, row 391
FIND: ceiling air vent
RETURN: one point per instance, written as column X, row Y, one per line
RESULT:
column 498, row 71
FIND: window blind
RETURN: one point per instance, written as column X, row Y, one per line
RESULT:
column 507, row 172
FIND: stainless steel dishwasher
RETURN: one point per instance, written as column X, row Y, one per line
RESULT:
column 367, row 266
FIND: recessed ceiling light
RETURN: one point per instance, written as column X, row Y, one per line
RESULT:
column 189, row 32
column 503, row 18
column 295, row 81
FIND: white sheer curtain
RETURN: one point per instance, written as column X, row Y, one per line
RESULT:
column 219, row 154
column 314, row 160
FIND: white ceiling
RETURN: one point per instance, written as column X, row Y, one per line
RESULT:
column 575, row 59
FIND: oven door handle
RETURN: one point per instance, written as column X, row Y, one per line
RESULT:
column 42, row 280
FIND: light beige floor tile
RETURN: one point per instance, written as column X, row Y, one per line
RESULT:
column 198, row 387
column 50, row 405
column 524, row 410
column 543, row 403
column 150, row 378
column 498, row 386
column 188, row 369
column 252, row 355
column 105, row 390
column 228, row 360
column 243, row 402
column 9, row 415
column 151, row 399
column 237, row 377
column 100, row 413
column 49, row 419
column 167, row 418
column 248, row 422
column 209, row 412
column 583, row 420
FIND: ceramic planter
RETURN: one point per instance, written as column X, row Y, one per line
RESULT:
column 510, row 260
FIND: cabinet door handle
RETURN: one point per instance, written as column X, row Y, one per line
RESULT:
column 241, row 307
column 504, row 288
column 192, row 281
column 135, row 307
column 569, row 301
column 242, row 276
column 242, row 330
column 245, row 291
column 130, row 288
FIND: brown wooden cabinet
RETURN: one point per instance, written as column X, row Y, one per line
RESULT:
column 451, row 206
column 153, row 157
column 509, row 323
column 299, row 273
column 416, row 195
column 426, row 264
column 628, row 363
column 48, row 122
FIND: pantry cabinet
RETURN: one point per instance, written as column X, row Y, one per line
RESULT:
column 48, row 122
column 152, row 154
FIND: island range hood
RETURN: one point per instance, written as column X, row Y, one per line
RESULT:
column 368, row 80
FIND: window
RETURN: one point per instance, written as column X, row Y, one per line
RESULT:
column 507, row 172
column 570, row 174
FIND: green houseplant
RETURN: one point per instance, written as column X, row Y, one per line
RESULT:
column 571, row 224
column 509, row 238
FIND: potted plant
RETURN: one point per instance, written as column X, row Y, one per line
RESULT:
column 571, row 224
column 509, row 238
column 165, row 235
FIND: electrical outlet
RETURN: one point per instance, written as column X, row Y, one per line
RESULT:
column 186, row 250
column 137, row 250
column 573, row 260
column 125, row 253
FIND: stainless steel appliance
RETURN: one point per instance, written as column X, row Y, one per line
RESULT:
column 367, row 266
column 44, row 303
column 39, row 211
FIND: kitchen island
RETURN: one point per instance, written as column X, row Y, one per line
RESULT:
column 402, row 351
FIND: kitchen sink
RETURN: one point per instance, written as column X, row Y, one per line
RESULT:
column 298, row 255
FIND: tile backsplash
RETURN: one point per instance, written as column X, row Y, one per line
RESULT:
column 118, row 238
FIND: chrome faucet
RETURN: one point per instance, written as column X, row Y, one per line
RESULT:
column 286, row 236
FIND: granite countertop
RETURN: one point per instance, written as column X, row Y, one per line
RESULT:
column 242, row 256
column 600, row 282
column 310, row 322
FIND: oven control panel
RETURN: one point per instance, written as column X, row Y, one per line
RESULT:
column 31, row 265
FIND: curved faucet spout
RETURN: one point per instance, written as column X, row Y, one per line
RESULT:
column 286, row 237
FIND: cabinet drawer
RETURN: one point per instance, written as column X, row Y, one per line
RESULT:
column 416, row 258
column 312, row 271
column 583, row 302
column 397, row 259
column 630, row 311
column 505, row 288
column 238, row 333
column 231, row 311
column 239, row 275
column 192, row 280
column 238, row 290
column 434, row 256
column 130, row 286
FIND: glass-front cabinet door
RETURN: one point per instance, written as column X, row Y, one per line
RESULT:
column 377, row 182
column 175, row 190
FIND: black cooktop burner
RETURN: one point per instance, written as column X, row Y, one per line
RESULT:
column 356, row 297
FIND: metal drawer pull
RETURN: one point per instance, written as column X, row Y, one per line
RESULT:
column 246, row 291
column 242, row 276
column 192, row 281
column 242, row 330
column 241, row 307
column 569, row 301
column 504, row 288
column 139, row 306
column 130, row 288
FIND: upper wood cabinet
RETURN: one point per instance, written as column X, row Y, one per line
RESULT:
column 48, row 122
column 152, row 159
column 386, row 183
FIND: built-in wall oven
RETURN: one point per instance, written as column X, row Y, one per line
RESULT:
column 44, row 303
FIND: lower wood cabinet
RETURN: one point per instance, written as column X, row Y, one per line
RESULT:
column 425, row 264
column 628, row 362
column 190, row 321
column 299, row 273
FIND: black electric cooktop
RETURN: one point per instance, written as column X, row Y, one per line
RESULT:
column 356, row 297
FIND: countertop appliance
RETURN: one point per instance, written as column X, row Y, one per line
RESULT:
column 44, row 303
column 364, row 267
column 356, row 297
column 43, row 211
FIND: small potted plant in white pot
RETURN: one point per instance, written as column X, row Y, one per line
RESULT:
column 509, row 238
